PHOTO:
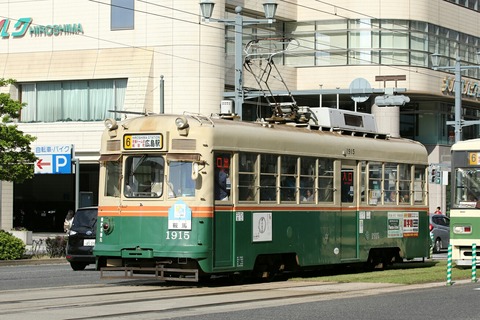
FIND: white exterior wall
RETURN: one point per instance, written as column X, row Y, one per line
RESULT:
column 6, row 205
column 164, row 42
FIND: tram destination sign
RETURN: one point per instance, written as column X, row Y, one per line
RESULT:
column 143, row 141
column 53, row 159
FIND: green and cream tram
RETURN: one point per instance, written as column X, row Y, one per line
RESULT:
column 189, row 196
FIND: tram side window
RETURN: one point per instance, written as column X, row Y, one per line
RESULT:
column 247, row 177
column 308, row 192
column 112, row 185
column 374, row 183
column 268, row 177
column 419, row 192
column 180, row 182
column 222, row 176
column 325, row 180
column 144, row 176
column 467, row 191
column 404, row 178
column 390, row 182
column 288, row 178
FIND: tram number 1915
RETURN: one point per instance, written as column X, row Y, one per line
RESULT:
column 178, row 235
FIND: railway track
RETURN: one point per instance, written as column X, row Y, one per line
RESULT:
column 139, row 300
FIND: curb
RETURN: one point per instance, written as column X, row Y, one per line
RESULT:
column 33, row 261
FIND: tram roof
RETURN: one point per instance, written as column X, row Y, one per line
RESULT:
column 288, row 139
column 472, row 144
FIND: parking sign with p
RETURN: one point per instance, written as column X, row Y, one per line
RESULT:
column 53, row 159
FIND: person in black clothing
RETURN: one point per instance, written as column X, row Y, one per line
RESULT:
column 221, row 191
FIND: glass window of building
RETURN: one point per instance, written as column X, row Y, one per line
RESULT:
column 122, row 15
column 331, row 43
column 88, row 100
column 303, row 32
column 363, row 37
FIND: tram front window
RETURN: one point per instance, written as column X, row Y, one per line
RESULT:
column 467, row 190
column 180, row 182
column 144, row 176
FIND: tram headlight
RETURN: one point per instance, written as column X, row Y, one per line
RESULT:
column 182, row 126
column 181, row 123
column 111, row 124
column 462, row 229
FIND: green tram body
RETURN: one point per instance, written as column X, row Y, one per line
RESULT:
column 465, row 207
column 193, row 235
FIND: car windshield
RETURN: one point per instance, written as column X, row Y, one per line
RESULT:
column 85, row 219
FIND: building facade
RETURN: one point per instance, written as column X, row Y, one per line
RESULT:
column 78, row 63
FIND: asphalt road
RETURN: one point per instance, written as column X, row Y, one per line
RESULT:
column 57, row 272
column 31, row 276
column 459, row 302
column 54, row 291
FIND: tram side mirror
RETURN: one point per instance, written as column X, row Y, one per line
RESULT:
column 195, row 171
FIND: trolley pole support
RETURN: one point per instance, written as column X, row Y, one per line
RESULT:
column 449, row 265
column 474, row 262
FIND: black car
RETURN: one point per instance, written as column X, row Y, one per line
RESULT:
column 81, row 238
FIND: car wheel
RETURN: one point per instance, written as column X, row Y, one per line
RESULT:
column 438, row 245
column 78, row 266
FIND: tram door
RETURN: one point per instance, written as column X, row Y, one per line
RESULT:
column 223, row 236
column 348, row 214
column 223, row 216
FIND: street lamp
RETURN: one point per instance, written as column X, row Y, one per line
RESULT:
column 457, row 68
column 269, row 8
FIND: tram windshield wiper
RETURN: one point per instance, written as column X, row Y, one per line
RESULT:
column 171, row 193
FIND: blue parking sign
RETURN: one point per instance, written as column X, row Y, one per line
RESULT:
column 62, row 163
column 54, row 159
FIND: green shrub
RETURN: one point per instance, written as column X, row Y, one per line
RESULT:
column 11, row 248
column 56, row 246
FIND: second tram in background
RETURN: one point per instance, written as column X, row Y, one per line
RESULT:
column 190, row 196
column 465, row 209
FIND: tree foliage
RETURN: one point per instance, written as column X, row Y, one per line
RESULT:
column 16, row 157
